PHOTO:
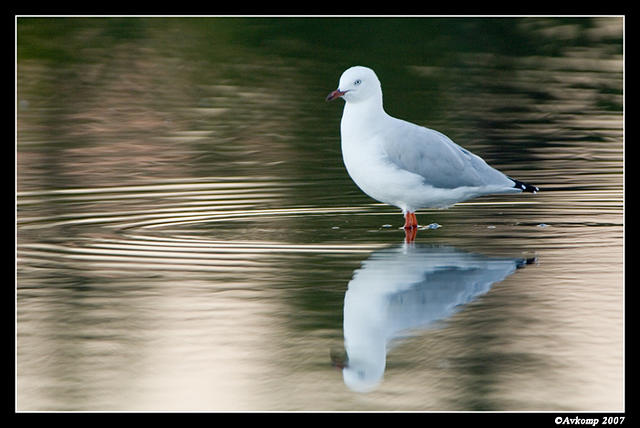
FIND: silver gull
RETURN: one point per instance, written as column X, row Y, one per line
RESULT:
column 403, row 164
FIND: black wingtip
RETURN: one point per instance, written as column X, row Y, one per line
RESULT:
column 525, row 187
column 528, row 261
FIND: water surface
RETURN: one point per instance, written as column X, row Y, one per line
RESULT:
column 188, row 238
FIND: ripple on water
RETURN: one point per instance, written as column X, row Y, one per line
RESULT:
column 151, row 227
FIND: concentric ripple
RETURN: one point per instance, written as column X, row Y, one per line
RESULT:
column 155, row 227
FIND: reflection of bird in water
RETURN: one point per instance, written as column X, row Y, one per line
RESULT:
column 403, row 288
column 403, row 164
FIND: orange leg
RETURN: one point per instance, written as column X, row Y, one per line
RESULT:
column 410, row 221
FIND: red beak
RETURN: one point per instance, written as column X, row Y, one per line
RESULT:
column 339, row 365
column 335, row 94
column 339, row 358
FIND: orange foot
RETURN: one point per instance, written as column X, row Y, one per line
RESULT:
column 410, row 227
column 410, row 235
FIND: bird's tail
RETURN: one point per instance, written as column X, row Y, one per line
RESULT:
column 525, row 187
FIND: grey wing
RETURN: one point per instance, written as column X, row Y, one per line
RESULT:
column 441, row 162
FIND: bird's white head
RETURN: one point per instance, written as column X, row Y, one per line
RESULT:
column 357, row 84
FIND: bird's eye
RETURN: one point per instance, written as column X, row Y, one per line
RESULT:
column 357, row 82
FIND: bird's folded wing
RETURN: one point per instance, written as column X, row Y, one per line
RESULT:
column 438, row 160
